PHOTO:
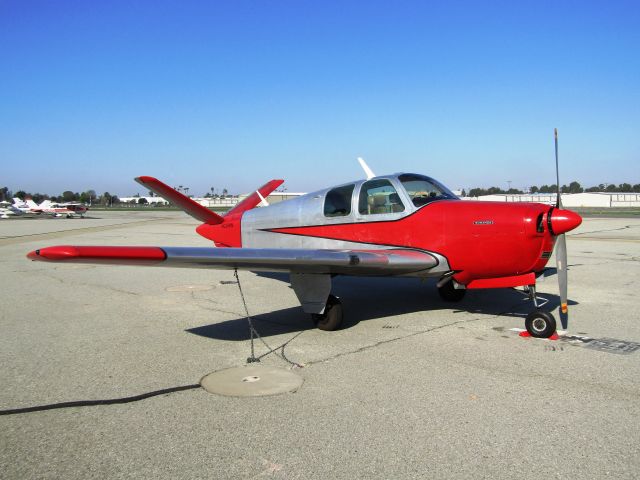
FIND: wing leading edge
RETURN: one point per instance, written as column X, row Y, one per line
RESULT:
column 349, row 262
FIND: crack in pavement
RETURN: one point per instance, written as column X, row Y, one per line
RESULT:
column 218, row 310
column 84, row 284
column 605, row 230
column 605, row 388
column 589, row 236
column 402, row 337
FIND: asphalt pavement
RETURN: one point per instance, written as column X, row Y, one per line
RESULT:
column 410, row 387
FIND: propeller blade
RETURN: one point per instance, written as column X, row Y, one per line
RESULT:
column 558, row 201
column 561, row 264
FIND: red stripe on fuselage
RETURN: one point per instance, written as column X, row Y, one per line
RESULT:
column 480, row 239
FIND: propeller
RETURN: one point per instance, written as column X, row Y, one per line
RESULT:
column 561, row 252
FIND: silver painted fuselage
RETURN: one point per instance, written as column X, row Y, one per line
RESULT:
column 308, row 210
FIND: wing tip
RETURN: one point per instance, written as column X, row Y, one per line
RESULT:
column 62, row 252
column 97, row 254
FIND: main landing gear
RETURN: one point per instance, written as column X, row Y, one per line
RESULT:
column 538, row 323
column 450, row 293
column 331, row 318
column 314, row 293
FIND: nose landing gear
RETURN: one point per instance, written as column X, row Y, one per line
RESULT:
column 539, row 324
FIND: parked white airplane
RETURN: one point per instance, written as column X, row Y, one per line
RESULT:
column 7, row 210
column 47, row 207
column 21, row 205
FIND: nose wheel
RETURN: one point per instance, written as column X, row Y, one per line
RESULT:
column 331, row 318
column 539, row 324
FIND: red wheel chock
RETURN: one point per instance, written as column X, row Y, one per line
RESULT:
column 526, row 334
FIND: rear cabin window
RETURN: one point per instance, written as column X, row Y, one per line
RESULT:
column 337, row 203
column 379, row 196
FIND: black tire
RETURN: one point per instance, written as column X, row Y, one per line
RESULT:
column 331, row 319
column 540, row 324
column 450, row 294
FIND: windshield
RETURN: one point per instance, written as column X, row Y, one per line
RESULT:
column 423, row 190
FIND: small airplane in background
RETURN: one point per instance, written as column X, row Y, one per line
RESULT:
column 16, row 209
column 404, row 224
column 75, row 207
column 7, row 210
column 24, row 206
column 47, row 207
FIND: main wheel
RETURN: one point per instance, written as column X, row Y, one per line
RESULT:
column 332, row 316
column 540, row 324
column 451, row 294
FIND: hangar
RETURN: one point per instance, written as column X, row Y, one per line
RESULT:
column 585, row 199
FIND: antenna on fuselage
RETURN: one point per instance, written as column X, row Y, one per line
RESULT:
column 368, row 172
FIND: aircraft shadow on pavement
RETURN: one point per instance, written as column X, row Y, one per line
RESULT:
column 368, row 298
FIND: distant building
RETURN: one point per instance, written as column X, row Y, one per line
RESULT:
column 277, row 197
column 217, row 202
column 586, row 199
column 226, row 202
column 150, row 200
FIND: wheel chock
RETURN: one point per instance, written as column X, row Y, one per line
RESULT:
column 526, row 334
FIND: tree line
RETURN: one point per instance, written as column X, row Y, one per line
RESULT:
column 88, row 197
column 573, row 187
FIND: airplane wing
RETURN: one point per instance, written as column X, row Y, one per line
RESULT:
column 348, row 262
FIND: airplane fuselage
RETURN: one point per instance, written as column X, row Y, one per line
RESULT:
column 470, row 240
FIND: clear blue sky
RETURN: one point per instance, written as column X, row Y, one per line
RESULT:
column 230, row 94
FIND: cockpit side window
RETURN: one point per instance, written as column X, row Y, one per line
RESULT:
column 379, row 196
column 337, row 203
column 423, row 190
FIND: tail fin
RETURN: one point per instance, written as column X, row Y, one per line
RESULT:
column 194, row 209
column 31, row 204
column 256, row 197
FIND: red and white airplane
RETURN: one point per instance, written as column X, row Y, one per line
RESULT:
column 68, row 209
column 393, row 225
